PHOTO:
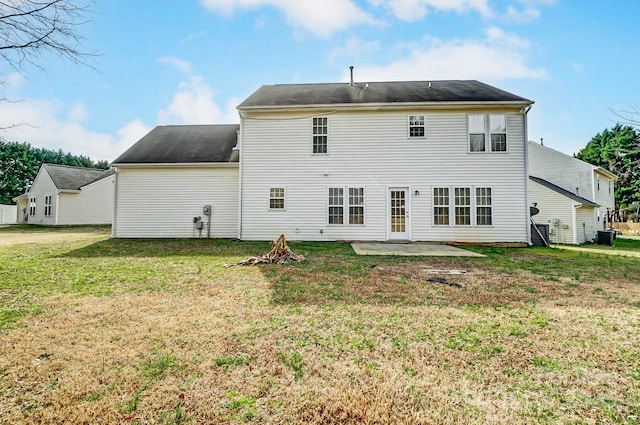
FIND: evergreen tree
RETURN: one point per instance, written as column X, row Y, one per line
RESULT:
column 618, row 150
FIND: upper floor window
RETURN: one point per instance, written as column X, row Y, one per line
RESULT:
column 476, row 133
column 498, row 127
column 276, row 198
column 32, row 206
column 320, row 135
column 416, row 126
column 47, row 205
column 497, row 134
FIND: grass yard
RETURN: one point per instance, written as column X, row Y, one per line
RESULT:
column 94, row 330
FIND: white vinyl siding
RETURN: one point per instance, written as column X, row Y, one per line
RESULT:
column 92, row 205
column 371, row 149
column 161, row 202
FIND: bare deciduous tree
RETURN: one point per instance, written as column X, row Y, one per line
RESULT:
column 31, row 28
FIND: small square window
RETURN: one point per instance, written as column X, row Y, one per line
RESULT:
column 416, row 126
column 276, row 198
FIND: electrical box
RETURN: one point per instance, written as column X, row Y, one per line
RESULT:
column 206, row 210
column 199, row 225
column 555, row 221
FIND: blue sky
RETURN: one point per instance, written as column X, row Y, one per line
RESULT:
column 193, row 61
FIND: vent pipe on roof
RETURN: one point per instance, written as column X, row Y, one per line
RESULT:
column 351, row 70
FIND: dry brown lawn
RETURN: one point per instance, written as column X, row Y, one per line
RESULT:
column 217, row 347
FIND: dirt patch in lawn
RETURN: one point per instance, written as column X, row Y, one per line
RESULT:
column 19, row 235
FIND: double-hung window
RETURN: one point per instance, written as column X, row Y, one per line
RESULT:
column 462, row 202
column 498, row 127
column 346, row 205
column 470, row 206
column 478, row 136
column 276, row 198
column 483, row 206
column 47, row 205
column 320, row 136
column 441, row 205
column 476, row 133
column 416, row 126
column 32, row 206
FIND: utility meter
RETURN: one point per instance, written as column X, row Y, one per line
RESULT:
column 206, row 210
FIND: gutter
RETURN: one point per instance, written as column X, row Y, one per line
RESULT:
column 525, row 110
column 386, row 106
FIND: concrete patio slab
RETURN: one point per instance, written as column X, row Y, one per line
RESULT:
column 411, row 249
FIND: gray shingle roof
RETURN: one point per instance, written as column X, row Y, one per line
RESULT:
column 174, row 144
column 66, row 177
column 564, row 192
column 468, row 91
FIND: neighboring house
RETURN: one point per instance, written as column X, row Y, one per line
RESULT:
column 164, row 181
column 573, row 196
column 65, row 195
column 414, row 161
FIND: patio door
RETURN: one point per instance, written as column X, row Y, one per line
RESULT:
column 398, row 213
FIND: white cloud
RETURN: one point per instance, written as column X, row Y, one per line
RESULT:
column 179, row 64
column 78, row 113
column 321, row 18
column 499, row 56
column 40, row 124
column 194, row 103
column 414, row 10
column 353, row 49
column 528, row 11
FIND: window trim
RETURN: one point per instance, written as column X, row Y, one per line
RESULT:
column 33, row 204
column 423, row 126
column 284, row 198
column 447, row 206
column 473, row 206
column 506, row 144
column 478, row 205
column 48, row 205
column 346, row 206
column 488, row 145
column 314, row 126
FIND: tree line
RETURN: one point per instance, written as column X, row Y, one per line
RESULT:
column 20, row 162
column 618, row 150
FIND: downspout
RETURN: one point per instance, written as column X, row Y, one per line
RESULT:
column 575, row 222
column 115, row 203
column 525, row 111
column 240, row 167
column 57, row 208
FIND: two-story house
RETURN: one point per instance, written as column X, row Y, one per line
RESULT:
column 414, row 161
column 573, row 196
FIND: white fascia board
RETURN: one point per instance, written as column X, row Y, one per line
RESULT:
column 180, row 164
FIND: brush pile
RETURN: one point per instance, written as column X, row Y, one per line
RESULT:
column 280, row 253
